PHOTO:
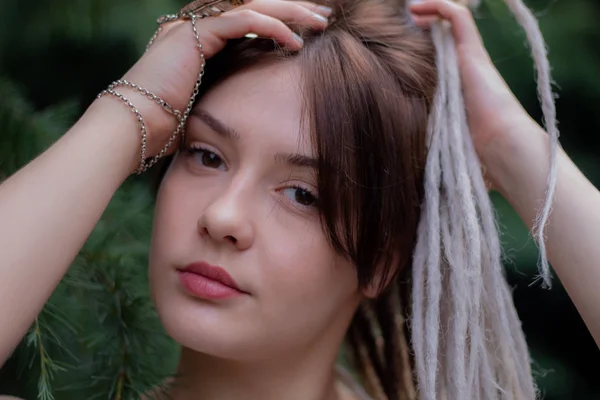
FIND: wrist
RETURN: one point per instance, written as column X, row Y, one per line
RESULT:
column 128, row 112
column 516, row 162
column 159, row 124
column 112, row 126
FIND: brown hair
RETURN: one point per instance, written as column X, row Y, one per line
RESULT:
column 369, row 81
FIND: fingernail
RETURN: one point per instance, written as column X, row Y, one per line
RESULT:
column 298, row 38
column 321, row 18
column 324, row 10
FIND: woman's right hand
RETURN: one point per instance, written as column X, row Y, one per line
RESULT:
column 49, row 208
column 170, row 67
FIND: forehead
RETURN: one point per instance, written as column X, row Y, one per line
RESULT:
column 264, row 102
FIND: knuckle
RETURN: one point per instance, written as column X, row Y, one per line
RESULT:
column 260, row 4
column 306, row 10
column 463, row 11
column 279, row 25
column 247, row 13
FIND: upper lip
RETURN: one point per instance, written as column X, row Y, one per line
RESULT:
column 212, row 272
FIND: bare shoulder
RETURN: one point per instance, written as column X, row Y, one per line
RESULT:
column 344, row 393
column 10, row 398
column 348, row 386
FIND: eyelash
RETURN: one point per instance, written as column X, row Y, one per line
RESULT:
column 196, row 148
column 309, row 192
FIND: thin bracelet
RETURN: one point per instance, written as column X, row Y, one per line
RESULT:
column 141, row 122
column 198, row 9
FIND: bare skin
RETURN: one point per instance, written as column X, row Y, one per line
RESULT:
column 53, row 203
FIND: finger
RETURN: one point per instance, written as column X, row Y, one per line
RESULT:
column 297, row 13
column 316, row 8
column 166, row 27
column 464, row 29
column 300, row 14
column 425, row 21
column 238, row 23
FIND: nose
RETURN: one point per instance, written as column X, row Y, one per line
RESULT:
column 227, row 221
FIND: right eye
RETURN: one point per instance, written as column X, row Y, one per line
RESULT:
column 205, row 157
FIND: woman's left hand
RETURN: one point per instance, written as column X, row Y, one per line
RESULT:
column 514, row 151
column 494, row 113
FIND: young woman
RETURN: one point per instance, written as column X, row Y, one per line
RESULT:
column 294, row 199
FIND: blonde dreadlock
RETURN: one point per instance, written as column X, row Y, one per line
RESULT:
column 483, row 354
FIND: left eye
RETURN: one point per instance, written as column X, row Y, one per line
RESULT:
column 300, row 196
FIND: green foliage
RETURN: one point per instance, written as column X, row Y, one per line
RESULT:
column 99, row 336
column 126, row 350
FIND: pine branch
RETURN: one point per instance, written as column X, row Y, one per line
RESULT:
column 110, row 279
column 99, row 332
column 44, row 386
column 37, row 338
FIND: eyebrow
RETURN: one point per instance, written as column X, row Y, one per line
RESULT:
column 216, row 125
column 295, row 160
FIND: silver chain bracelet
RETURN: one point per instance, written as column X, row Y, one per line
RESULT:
column 198, row 9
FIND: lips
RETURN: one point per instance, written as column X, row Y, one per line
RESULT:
column 208, row 282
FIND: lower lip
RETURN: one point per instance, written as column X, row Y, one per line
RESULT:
column 205, row 288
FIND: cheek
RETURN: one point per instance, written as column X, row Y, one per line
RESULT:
column 174, row 223
column 306, row 275
column 307, row 290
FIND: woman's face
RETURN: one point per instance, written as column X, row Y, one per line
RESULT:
column 245, row 199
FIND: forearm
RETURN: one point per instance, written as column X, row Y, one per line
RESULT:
column 49, row 208
column 574, row 225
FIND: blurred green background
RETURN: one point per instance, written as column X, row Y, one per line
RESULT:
column 99, row 337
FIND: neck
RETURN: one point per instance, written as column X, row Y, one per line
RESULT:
column 202, row 376
column 306, row 373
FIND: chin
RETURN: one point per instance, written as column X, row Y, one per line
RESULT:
column 216, row 329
